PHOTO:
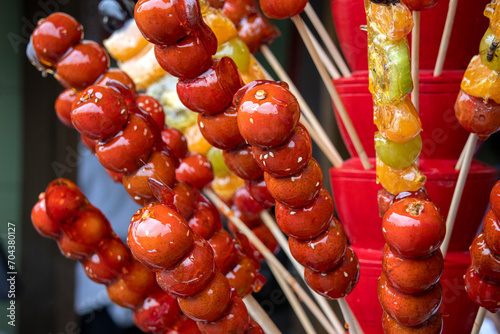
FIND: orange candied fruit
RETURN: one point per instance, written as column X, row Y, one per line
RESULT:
column 125, row 43
column 492, row 11
column 222, row 27
column 397, row 122
column 396, row 181
column 393, row 21
column 225, row 186
column 254, row 72
column 481, row 81
column 196, row 142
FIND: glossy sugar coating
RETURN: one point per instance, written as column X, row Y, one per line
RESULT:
column 208, row 94
column 409, row 310
column 54, row 36
column 413, row 228
column 477, row 115
column 80, row 251
column 282, row 9
column 394, row 22
column 481, row 81
column 409, row 289
column 84, row 233
column 492, row 11
column 204, row 296
column 389, row 63
column 398, row 122
column 483, row 275
column 412, row 276
column 399, row 180
column 223, row 28
column 397, row 155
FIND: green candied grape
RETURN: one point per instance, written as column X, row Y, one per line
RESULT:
column 489, row 49
column 397, row 155
column 217, row 161
column 390, row 69
column 238, row 51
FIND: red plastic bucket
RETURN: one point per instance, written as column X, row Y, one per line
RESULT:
column 355, row 195
column 442, row 135
column 468, row 29
column 460, row 311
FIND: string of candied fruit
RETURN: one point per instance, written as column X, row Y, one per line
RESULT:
column 408, row 289
column 332, row 268
column 185, row 265
column 83, row 233
column 482, row 279
column 224, row 183
column 194, row 169
column 398, row 142
column 477, row 106
column 102, row 104
column 126, row 162
column 478, row 112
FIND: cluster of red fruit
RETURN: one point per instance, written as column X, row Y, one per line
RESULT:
column 84, row 234
column 189, row 267
column 409, row 289
column 123, row 128
column 265, row 127
column 254, row 29
column 482, row 279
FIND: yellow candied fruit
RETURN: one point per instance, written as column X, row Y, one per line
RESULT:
column 126, row 42
column 143, row 68
column 222, row 27
column 196, row 142
column 254, row 72
column 397, row 122
column 393, row 21
column 225, row 186
column 492, row 11
column 396, row 181
column 481, row 81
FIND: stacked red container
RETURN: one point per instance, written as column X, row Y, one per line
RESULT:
column 443, row 140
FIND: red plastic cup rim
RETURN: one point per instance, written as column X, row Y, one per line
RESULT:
column 434, row 169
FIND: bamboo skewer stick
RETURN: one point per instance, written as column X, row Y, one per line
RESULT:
column 333, row 93
column 457, row 194
column 462, row 154
column 260, row 316
column 271, row 259
column 332, row 70
column 315, row 129
column 349, row 317
column 415, row 59
column 478, row 322
column 445, row 39
column 294, row 302
column 283, row 242
column 325, row 37
column 355, row 320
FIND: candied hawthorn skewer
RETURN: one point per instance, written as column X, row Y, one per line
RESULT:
column 224, row 80
column 184, row 263
column 482, row 281
column 408, row 289
column 476, row 107
column 83, row 233
column 190, row 89
column 100, row 112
